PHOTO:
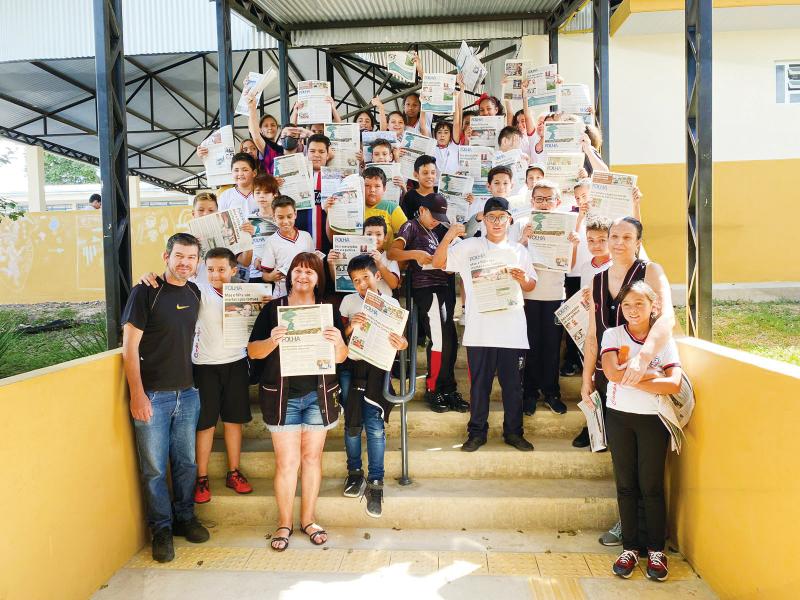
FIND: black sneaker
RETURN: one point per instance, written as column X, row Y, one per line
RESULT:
column 569, row 370
column 374, row 495
column 519, row 442
column 163, row 550
column 438, row 402
column 192, row 530
column 457, row 402
column 355, row 484
column 582, row 441
column 529, row 405
column 555, row 404
column 473, row 443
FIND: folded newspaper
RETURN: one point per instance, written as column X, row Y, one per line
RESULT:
column 675, row 410
column 593, row 411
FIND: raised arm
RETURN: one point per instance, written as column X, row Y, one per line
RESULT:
column 252, row 125
column 458, row 109
column 383, row 125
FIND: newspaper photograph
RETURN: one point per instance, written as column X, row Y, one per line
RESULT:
column 401, row 65
column 241, row 303
column 221, row 148
column 347, row 214
column 514, row 73
column 312, row 104
column 345, row 141
column 548, row 246
column 304, row 350
column 370, row 342
column 563, row 137
column 593, row 412
column 485, row 130
column 612, row 194
column 492, row 285
column 391, row 170
column 413, row 146
column 438, row 93
column 297, row 184
column 574, row 316
column 542, row 86
column 348, row 246
column 563, row 169
column 475, row 161
column 575, row 99
column 254, row 84
column 470, row 68
column 369, row 137
column 264, row 228
column 455, row 189
column 221, row 230
column 516, row 162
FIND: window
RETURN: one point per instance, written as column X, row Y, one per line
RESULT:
column 787, row 82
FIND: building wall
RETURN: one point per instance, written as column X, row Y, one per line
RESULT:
column 71, row 504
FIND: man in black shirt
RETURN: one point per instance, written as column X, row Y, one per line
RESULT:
column 158, row 330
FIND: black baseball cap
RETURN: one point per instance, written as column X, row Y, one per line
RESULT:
column 437, row 205
column 496, row 203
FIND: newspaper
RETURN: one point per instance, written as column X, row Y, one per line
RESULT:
column 485, row 130
column 370, row 342
column 542, row 86
column 594, row 421
column 563, row 137
column 548, row 246
column 516, row 161
column 455, row 189
column 217, row 164
column 349, row 246
column 347, row 214
column 519, row 205
column 475, row 161
column 493, row 288
column 292, row 168
column 241, row 303
column 401, row 65
column 331, row 180
column 392, row 192
column 254, row 84
column 304, row 350
column 563, row 168
column 312, row 102
column 612, row 194
column 264, row 228
column 514, row 72
column 470, row 68
column 437, row 95
column 675, row 410
column 345, row 141
column 575, row 99
column 222, row 230
column 368, row 137
column 414, row 145
column 574, row 316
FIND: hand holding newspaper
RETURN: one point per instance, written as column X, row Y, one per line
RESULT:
column 312, row 104
column 401, row 65
column 493, row 287
column 563, row 137
column 222, row 230
column 297, row 184
column 438, row 93
column 575, row 99
column 304, row 350
column 241, row 303
column 574, row 316
column 470, row 68
column 593, row 411
column 549, row 245
column 253, row 86
column 217, row 163
column 485, row 130
column 370, row 342
column 347, row 213
column 346, row 142
column 612, row 194
column 455, row 189
column 542, row 86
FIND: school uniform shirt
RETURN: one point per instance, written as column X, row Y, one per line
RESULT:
column 391, row 213
column 415, row 128
column 279, row 252
column 497, row 329
column 233, row 198
column 208, row 347
column 446, row 159
column 628, row 399
column 416, row 236
column 588, row 270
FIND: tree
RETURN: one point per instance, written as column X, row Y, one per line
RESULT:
column 59, row 170
column 8, row 209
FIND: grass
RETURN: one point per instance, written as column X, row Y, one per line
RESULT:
column 769, row 329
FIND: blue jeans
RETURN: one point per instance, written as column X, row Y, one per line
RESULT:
column 372, row 418
column 168, row 438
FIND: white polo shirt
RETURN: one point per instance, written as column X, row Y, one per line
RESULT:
column 233, row 198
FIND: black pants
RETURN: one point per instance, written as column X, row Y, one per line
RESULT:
column 437, row 304
column 601, row 385
column 638, row 445
column 544, row 338
column 483, row 364
column 572, row 355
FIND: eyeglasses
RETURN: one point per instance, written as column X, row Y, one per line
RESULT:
column 543, row 201
column 502, row 219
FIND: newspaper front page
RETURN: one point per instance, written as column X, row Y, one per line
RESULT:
column 292, row 168
column 346, row 142
column 574, row 316
column 612, row 194
column 401, row 65
column 241, row 303
column 438, row 93
column 312, row 105
column 349, row 246
column 217, row 164
column 455, row 189
column 542, row 86
column 369, row 137
column 264, row 228
column 563, row 169
column 370, row 342
column 492, row 285
column 548, row 246
column 391, row 170
column 413, row 146
column 575, row 99
column 304, row 350
column 563, row 137
column 347, row 214
column 516, row 162
column 222, row 230
column 594, row 422
column 470, row 67
column 514, row 73
column 254, row 84
column 485, row 130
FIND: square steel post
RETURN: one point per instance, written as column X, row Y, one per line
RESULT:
column 283, row 80
column 224, row 63
column 601, row 15
column 699, row 167
column 552, row 36
column 113, row 156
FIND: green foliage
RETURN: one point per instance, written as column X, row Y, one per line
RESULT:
column 9, row 210
column 59, row 170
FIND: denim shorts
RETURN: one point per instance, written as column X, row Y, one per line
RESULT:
column 303, row 414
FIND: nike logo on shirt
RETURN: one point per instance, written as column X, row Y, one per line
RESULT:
column 179, row 307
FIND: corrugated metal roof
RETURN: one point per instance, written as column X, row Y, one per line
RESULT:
column 581, row 22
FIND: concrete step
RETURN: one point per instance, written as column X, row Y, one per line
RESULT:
column 423, row 422
column 565, row 504
column 554, row 458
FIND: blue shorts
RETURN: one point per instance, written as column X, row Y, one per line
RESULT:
column 303, row 414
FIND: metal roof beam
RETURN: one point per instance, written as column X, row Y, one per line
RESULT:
column 438, row 20
column 562, row 12
column 253, row 13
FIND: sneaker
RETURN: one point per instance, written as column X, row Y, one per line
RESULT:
column 163, row 550
column 202, row 493
column 612, row 537
column 438, row 402
column 569, row 370
column 192, row 530
column 657, row 566
column 582, row 441
column 374, row 495
column 529, row 404
column 355, row 484
column 238, row 482
column 519, row 442
column 457, row 402
column 626, row 563
column 555, row 404
column 473, row 443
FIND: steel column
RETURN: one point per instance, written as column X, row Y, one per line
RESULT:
column 283, row 80
column 552, row 36
column 110, row 80
column 699, row 166
column 600, row 32
column 224, row 63
column 329, row 73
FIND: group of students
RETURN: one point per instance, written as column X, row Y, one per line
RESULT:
column 183, row 380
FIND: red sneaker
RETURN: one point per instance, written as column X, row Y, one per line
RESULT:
column 626, row 563
column 202, row 493
column 238, row 482
column 657, row 566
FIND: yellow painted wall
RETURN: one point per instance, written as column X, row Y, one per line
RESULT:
column 734, row 490
column 70, row 506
